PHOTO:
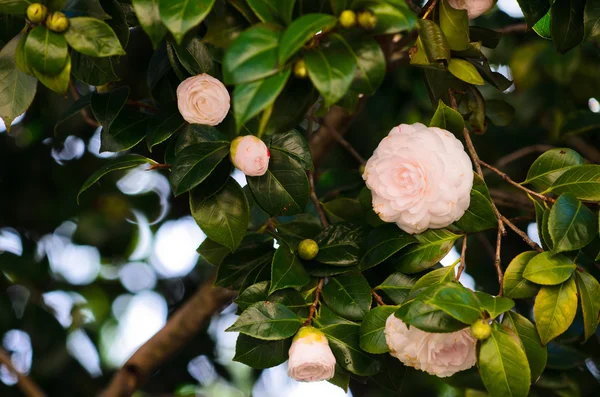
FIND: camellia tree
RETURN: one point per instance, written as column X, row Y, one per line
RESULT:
column 367, row 131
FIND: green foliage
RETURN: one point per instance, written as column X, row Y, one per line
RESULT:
column 267, row 321
column 554, row 309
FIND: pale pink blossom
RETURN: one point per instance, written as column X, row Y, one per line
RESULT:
column 474, row 8
column 310, row 357
column 202, row 99
column 250, row 155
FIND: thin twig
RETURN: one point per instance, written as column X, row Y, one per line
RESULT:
column 159, row 167
column 516, row 28
column 378, row 298
column 315, row 200
column 313, row 306
column 336, row 135
column 84, row 113
column 463, row 263
column 523, row 235
column 24, row 382
column 427, row 8
column 141, row 105
column 497, row 260
column 515, row 184
column 510, row 199
column 517, row 154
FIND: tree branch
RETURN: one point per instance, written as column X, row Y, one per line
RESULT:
column 497, row 261
column 181, row 327
column 523, row 235
column 378, row 298
column 313, row 306
column 463, row 255
column 517, row 154
column 315, row 200
column 336, row 135
column 24, row 382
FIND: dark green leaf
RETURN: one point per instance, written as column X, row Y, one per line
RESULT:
column 479, row 216
column 253, row 55
column 537, row 354
column 163, row 124
column 93, row 71
column 149, row 17
column 554, row 309
column 72, row 110
column 91, row 36
column 384, row 242
column 428, row 318
column 515, row 286
column 120, row 163
column 106, row 107
column 372, row 336
column 259, row 353
column 571, row 224
column 348, row 295
column 494, row 305
column 432, row 245
column 434, row 42
column 291, row 106
column 392, row 375
column 583, row 181
column 465, row 71
column 434, row 277
column 392, row 18
column 267, row 321
column 545, row 232
column 397, row 287
column 455, row 25
column 503, row 365
column 566, row 23
column 489, row 38
column 213, row 252
column 46, row 51
column 550, row 165
column 534, row 10
column 302, row 30
column 126, row 131
column 276, row 11
column 589, row 295
column 499, row 112
column 14, row 7
column 454, row 299
column 57, row 83
column 90, row 8
column 287, row 270
column 591, row 19
column 293, row 145
column 181, row 16
column 340, row 244
column 195, row 163
column 343, row 209
column 195, row 57
column 448, row 119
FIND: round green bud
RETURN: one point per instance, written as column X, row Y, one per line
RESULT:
column 347, row 19
column 308, row 249
column 36, row 12
column 300, row 69
column 481, row 329
column 367, row 20
column 57, row 22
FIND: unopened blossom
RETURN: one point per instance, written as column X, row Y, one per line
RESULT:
column 250, row 155
column 310, row 357
column 474, row 8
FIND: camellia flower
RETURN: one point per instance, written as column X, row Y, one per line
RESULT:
column 250, row 155
column 310, row 357
column 420, row 178
column 202, row 99
column 474, row 8
column 435, row 353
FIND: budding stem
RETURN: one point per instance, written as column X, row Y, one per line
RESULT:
column 313, row 306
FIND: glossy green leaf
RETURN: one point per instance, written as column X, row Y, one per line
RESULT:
column 267, row 321
column 515, row 286
column 283, row 189
column 432, row 245
column 93, row 71
column 455, row 25
column 554, row 309
column 46, row 51
column 14, row 7
column 246, row 266
column 397, row 287
column 503, row 365
column 253, row 55
column 340, row 244
column 582, row 181
column 465, row 71
column 301, row 31
column 542, row 27
column 571, row 224
column 534, row 10
column 454, row 299
column 539, row 220
column 566, row 23
column 479, row 216
column 545, row 230
column 343, row 209
column 91, row 36
column 57, row 83
column 589, row 295
column 213, row 252
column 537, row 354
column 372, row 336
column 106, row 107
column 549, row 269
column 370, row 62
column 392, row 18
column 494, row 305
column 287, row 270
column 348, row 295
column 259, row 353
column 223, row 216
column 163, row 125
column 249, row 99
column 276, row 11
column 293, row 145
column 428, row 318
column 549, row 166
column 195, row 57
column 126, row 131
column 434, row 277
column 91, row 8
column 434, row 42
column 331, row 69
column 148, row 15
column 195, row 163
column 383, row 242
column 591, row 19
column 181, row 16
column 392, row 375
column 120, row 163
column 291, row 106
column 448, row 119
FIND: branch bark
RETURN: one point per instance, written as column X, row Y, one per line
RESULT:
column 181, row 327
column 24, row 382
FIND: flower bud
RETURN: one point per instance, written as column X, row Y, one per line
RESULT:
column 250, row 155
column 481, row 329
column 474, row 8
column 347, row 19
column 57, row 22
column 310, row 357
column 300, row 69
column 367, row 20
column 308, row 249
column 36, row 12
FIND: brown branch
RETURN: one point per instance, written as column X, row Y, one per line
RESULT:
column 463, row 256
column 313, row 306
column 340, row 139
column 516, row 28
column 497, row 260
column 511, row 200
column 523, row 235
column 159, row 167
column 315, row 200
column 517, row 154
column 141, row 105
column 84, row 113
column 506, row 178
column 24, row 382
column 378, row 298
column 188, row 320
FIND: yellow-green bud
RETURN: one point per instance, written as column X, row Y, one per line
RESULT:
column 300, row 69
column 347, row 19
column 481, row 329
column 367, row 20
column 57, row 22
column 308, row 249
column 36, row 12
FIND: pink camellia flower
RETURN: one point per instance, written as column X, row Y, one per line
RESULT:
column 202, row 99
column 420, row 178
column 435, row 353
column 474, row 8
column 310, row 357
column 250, row 155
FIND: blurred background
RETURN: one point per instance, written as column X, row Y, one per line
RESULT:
column 83, row 286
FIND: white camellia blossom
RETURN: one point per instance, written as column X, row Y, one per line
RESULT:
column 310, row 357
column 420, row 178
column 440, row 354
column 202, row 99
column 250, row 155
column 474, row 8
